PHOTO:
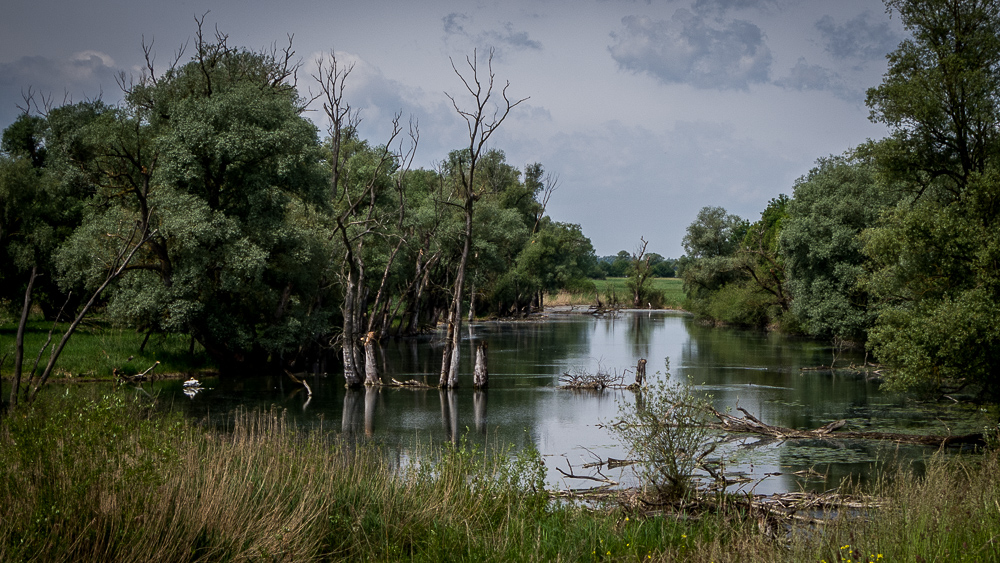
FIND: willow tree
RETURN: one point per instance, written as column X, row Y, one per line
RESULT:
column 482, row 117
column 215, row 160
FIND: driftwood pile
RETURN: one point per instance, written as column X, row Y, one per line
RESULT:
column 603, row 379
column 749, row 424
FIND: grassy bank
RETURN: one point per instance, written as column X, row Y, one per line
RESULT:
column 614, row 289
column 113, row 478
column 96, row 349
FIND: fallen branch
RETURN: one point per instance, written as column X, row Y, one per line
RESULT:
column 301, row 382
column 137, row 377
column 751, row 425
column 411, row 383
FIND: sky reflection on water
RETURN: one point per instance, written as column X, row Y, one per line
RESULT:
column 753, row 370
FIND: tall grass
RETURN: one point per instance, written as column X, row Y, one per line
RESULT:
column 951, row 513
column 114, row 478
column 613, row 290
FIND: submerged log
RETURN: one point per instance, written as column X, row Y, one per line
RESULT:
column 411, row 383
column 751, row 425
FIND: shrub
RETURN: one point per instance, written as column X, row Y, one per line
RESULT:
column 666, row 432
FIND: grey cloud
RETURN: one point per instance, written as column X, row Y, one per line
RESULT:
column 455, row 25
column 723, row 6
column 805, row 76
column 516, row 39
column 860, row 38
column 63, row 80
column 689, row 50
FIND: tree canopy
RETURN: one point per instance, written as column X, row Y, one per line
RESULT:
column 267, row 244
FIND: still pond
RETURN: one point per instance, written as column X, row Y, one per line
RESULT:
column 757, row 371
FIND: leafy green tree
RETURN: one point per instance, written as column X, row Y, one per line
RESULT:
column 822, row 249
column 558, row 256
column 714, row 233
column 617, row 266
column 737, row 274
column 760, row 260
column 661, row 267
column 710, row 244
column 936, row 255
column 215, row 155
column 40, row 206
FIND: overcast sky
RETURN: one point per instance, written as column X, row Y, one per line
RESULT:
column 647, row 110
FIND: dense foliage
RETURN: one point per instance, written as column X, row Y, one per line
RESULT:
column 263, row 242
column 897, row 243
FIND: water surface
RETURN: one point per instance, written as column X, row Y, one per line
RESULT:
column 757, row 371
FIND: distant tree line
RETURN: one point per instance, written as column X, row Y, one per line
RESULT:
column 896, row 243
column 618, row 265
column 224, row 215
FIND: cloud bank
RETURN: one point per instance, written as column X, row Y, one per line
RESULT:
column 690, row 49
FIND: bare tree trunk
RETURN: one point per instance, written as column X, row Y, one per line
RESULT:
column 482, row 121
column 348, row 337
column 481, row 378
column 450, row 361
column 640, row 372
column 472, row 303
column 371, row 366
column 19, row 343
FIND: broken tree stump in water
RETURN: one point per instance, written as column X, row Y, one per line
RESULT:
column 481, row 375
column 371, row 367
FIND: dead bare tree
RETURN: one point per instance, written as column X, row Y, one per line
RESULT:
column 482, row 119
column 638, row 278
column 356, row 218
column 551, row 183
